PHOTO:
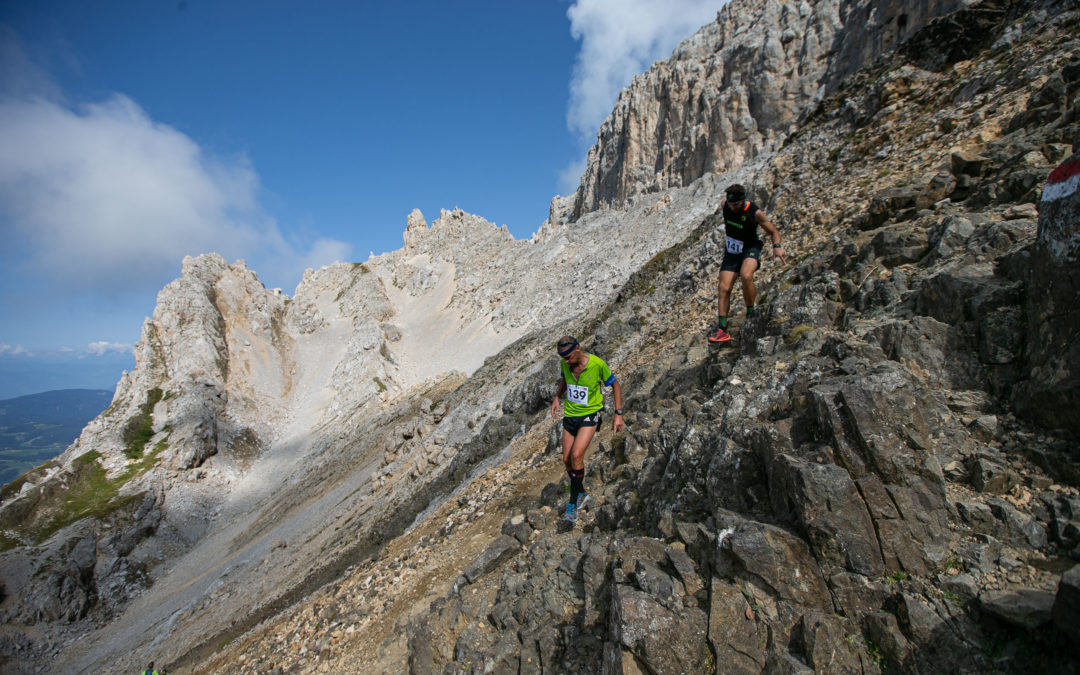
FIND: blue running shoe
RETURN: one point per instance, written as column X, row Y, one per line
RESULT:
column 582, row 501
column 571, row 514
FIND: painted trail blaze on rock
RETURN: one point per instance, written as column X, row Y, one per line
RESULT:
column 1063, row 181
column 1050, row 393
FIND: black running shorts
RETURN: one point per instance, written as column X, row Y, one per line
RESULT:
column 573, row 424
column 732, row 262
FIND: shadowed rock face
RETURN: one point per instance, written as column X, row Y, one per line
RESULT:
column 1051, row 394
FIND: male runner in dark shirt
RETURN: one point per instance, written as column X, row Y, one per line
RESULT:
column 742, row 254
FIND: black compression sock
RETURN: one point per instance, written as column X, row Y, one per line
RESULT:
column 723, row 322
column 577, row 484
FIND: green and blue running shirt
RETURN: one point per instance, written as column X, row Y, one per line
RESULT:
column 583, row 393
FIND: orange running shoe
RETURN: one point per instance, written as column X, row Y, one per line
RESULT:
column 720, row 335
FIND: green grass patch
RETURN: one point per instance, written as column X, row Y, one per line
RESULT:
column 89, row 493
column 661, row 262
column 139, row 429
column 379, row 384
column 896, row 577
column 797, row 333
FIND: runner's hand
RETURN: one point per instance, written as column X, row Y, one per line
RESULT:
column 617, row 425
column 779, row 253
column 555, row 409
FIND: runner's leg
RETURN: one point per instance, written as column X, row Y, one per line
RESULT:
column 724, row 284
column 581, row 442
column 577, row 461
column 746, row 275
column 567, row 449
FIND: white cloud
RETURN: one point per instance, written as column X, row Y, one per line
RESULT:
column 619, row 39
column 102, row 196
column 99, row 348
column 17, row 350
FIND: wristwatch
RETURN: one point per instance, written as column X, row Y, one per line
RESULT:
column 618, row 411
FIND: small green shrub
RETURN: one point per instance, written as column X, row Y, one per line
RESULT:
column 797, row 332
column 874, row 652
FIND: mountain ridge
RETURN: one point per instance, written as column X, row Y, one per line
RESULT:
column 888, row 308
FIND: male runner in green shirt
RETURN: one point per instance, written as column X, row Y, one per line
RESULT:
column 583, row 375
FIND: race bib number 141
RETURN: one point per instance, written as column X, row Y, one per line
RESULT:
column 576, row 393
column 733, row 245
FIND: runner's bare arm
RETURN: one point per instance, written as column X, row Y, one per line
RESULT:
column 559, row 391
column 616, row 389
column 777, row 249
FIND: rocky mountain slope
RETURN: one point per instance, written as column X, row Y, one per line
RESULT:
column 879, row 475
column 37, row 427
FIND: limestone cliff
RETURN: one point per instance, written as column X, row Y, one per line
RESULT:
column 736, row 90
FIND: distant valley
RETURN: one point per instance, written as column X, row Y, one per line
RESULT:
column 38, row 427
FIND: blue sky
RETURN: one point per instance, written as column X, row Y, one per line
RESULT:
column 290, row 134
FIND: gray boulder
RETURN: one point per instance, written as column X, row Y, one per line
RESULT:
column 662, row 639
column 517, row 527
column 1025, row 608
column 494, row 555
column 992, row 477
column 1050, row 394
column 948, row 238
column 823, row 500
column 887, row 203
column 880, row 425
column 833, row 644
column 737, row 639
column 1066, row 608
column 776, row 559
column 888, row 642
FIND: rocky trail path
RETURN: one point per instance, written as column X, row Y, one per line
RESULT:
column 350, row 624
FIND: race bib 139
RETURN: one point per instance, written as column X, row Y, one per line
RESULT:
column 576, row 393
